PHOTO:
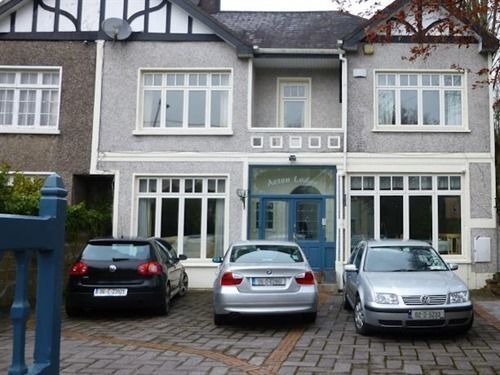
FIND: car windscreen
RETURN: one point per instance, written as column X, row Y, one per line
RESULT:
column 116, row 251
column 403, row 259
column 265, row 254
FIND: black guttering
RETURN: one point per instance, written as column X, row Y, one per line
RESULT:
column 242, row 49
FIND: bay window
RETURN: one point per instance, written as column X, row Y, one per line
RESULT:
column 29, row 100
column 421, row 101
column 418, row 207
column 185, row 100
column 188, row 212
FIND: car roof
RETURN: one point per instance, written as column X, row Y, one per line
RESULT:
column 264, row 242
column 120, row 240
column 396, row 242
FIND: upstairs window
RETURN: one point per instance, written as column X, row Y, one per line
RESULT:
column 185, row 100
column 420, row 101
column 294, row 102
column 29, row 100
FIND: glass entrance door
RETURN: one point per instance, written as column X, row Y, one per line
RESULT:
column 301, row 220
column 308, row 229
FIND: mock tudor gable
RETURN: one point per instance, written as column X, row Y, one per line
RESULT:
column 162, row 20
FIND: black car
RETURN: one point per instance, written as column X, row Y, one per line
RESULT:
column 125, row 273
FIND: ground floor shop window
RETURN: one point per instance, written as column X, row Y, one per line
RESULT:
column 426, row 208
column 190, row 213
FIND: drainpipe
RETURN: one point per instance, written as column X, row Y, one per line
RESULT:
column 96, row 121
column 342, row 221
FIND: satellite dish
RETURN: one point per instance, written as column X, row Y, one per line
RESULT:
column 116, row 28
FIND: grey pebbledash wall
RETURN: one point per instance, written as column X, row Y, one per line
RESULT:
column 120, row 90
column 480, row 191
column 122, row 62
column 234, row 171
column 325, row 106
column 69, row 152
column 361, row 138
column 492, row 265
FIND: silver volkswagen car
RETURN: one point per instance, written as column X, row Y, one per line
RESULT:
column 264, row 277
column 404, row 284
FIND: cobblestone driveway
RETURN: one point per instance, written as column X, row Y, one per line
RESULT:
column 187, row 342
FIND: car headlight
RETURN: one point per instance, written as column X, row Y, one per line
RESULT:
column 459, row 297
column 386, row 298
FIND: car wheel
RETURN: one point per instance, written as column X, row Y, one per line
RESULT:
column 219, row 319
column 346, row 304
column 183, row 288
column 310, row 317
column 360, row 319
column 164, row 308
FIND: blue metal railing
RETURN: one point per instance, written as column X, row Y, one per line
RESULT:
column 41, row 236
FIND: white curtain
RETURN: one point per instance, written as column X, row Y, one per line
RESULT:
column 219, row 227
column 146, row 217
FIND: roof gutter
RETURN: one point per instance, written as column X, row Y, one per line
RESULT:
column 296, row 51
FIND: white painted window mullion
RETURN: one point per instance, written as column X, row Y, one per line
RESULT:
column 204, row 219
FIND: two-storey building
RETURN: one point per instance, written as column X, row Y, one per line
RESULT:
column 219, row 126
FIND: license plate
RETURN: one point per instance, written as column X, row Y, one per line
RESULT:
column 268, row 281
column 114, row 292
column 427, row 314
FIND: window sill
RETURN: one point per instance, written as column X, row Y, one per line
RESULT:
column 23, row 130
column 419, row 129
column 295, row 130
column 203, row 131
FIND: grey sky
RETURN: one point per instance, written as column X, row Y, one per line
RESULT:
column 356, row 6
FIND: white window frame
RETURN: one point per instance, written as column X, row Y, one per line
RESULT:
column 182, row 196
column 406, row 193
column 281, row 83
column 295, row 141
column 279, row 140
column 257, row 142
column 39, row 86
column 420, row 127
column 334, row 142
column 184, row 130
column 313, row 138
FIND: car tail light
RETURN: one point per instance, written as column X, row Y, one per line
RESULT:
column 149, row 269
column 306, row 278
column 230, row 278
column 79, row 269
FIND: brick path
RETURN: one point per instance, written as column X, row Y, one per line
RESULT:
column 187, row 342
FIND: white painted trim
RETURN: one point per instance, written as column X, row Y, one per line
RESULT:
column 244, row 218
column 9, row 129
column 295, row 130
column 183, row 131
column 253, row 138
column 421, row 160
column 492, row 143
column 310, row 140
column 421, row 128
column 330, row 142
column 306, row 81
column 312, row 51
column 116, row 202
column 181, row 196
column 298, row 139
column 96, row 118
column 36, row 128
column 279, row 139
column 250, row 93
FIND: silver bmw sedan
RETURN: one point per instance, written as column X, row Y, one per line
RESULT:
column 264, row 277
column 404, row 284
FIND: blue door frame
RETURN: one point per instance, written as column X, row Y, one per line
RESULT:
column 320, row 253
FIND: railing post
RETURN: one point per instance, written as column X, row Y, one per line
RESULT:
column 49, row 281
column 19, row 313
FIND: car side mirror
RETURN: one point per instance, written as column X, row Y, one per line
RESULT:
column 350, row 268
column 182, row 257
column 217, row 259
column 453, row 266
